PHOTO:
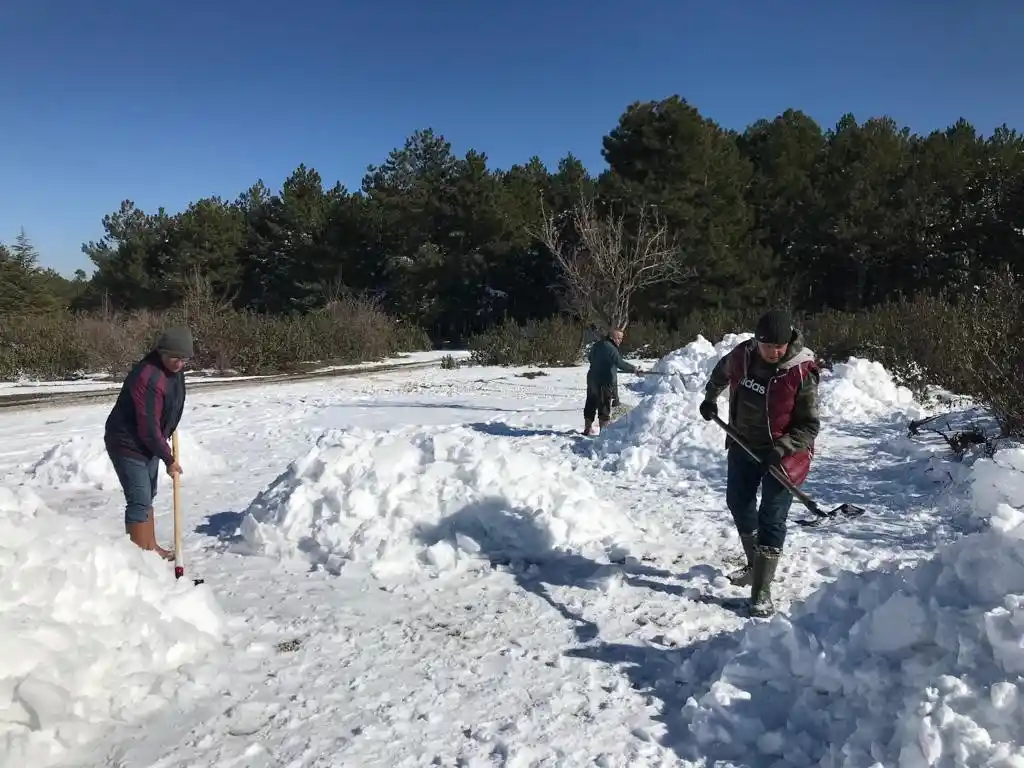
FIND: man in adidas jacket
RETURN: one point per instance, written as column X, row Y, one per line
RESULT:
column 773, row 406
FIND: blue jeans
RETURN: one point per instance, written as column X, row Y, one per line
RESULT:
column 769, row 520
column 138, row 479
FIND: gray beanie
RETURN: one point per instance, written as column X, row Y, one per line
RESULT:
column 176, row 341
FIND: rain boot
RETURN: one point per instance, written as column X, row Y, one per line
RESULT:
column 588, row 428
column 763, row 573
column 743, row 576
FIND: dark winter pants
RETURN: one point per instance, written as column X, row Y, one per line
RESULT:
column 139, row 482
column 599, row 401
column 769, row 520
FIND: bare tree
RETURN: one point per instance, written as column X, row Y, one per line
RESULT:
column 200, row 300
column 603, row 266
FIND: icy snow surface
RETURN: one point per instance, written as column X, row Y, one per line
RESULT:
column 432, row 567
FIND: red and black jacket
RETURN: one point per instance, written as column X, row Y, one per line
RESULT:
column 147, row 411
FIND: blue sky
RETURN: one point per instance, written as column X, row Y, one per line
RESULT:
column 166, row 102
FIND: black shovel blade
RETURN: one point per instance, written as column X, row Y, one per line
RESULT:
column 848, row 510
column 845, row 511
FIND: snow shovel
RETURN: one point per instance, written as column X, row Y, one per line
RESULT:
column 843, row 510
column 179, row 564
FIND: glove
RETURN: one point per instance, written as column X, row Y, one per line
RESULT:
column 708, row 410
column 773, row 459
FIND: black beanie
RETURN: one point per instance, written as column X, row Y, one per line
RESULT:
column 176, row 342
column 775, row 327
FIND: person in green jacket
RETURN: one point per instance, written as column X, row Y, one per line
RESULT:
column 603, row 380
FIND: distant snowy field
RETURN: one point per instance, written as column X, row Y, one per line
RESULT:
column 95, row 382
column 432, row 567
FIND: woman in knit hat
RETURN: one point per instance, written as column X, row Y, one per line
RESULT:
column 145, row 415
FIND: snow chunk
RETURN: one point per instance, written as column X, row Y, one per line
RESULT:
column 863, row 391
column 912, row 666
column 408, row 499
column 997, row 489
column 92, row 632
column 83, row 462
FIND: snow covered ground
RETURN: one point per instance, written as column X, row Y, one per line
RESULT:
column 430, row 567
column 98, row 382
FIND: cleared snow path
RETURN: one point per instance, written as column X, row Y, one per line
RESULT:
column 481, row 643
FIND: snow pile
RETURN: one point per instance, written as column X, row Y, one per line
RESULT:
column 687, row 369
column 92, row 631
column 996, row 483
column 401, row 500
column 663, row 435
column 863, row 391
column 917, row 666
column 83, row 462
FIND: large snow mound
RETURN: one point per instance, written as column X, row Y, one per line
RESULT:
column 82, row 461
column 663, row 435
column 92, row 632
column 686, row 370
column 917, row 666
column 438, row 500
column 863, row 391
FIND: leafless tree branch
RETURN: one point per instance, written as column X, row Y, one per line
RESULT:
column 602, row 265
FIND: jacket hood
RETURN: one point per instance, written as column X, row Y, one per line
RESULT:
column 797, row 353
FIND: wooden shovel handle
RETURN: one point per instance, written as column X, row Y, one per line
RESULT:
column 175, row 484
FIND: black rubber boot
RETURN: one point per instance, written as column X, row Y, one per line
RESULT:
column 743, row 576
column 763, row 573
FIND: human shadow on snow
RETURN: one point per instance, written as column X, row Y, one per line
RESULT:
column 511, row 540
column 222, row 525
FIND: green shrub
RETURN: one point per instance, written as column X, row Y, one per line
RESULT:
column 554, row 342
column 63, row 345
column 910, row 338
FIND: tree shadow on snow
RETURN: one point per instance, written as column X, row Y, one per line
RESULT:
column 512, row 541
column 501, row 429
column 483, row 408
column 687, row 586
column 892, row 495
column 673, row 676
